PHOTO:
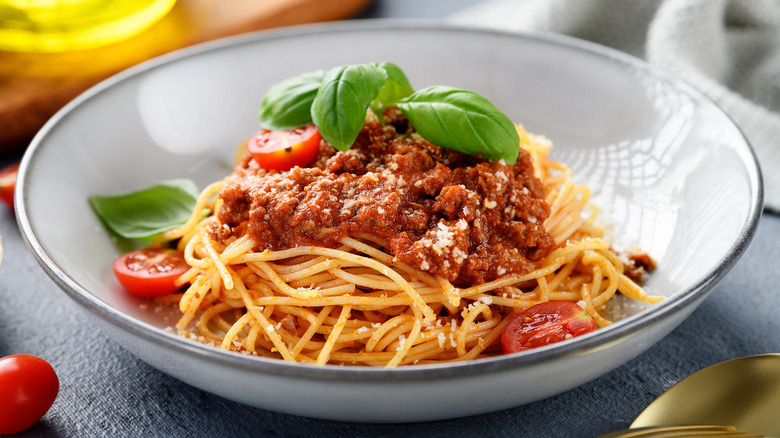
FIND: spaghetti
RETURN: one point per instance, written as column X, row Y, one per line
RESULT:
column 355, row 302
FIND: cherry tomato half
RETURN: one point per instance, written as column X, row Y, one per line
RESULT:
column 8, row 183
column 28, row 387
column 150, row 272
column 544, row 324
column 283, row 150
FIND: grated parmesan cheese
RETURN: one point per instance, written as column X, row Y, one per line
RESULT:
column 401, row 343
column 444, row 238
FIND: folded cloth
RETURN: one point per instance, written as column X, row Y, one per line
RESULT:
column 728, row 49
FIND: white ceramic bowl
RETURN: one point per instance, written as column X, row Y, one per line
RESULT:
column 669, row 169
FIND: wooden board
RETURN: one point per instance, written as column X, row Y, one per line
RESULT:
column 33, row 86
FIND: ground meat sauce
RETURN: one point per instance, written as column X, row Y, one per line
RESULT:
column 638, row 265
column 459, row 216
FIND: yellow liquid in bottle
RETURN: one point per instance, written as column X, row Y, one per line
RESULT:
column 62, row 25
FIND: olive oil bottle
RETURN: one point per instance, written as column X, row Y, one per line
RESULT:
column 64, row 25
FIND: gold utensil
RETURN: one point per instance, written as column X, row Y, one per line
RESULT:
column 705, row 431
column 743, row 394
column 679, row 432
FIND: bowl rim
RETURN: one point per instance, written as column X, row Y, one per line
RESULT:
column 149, row 333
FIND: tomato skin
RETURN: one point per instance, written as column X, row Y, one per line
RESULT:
column 28, row 387
column 284, row 149
column 150, row 272
column 544, row 324
column 8, row 183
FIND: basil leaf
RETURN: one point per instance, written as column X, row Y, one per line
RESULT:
column 336, row 101
column 463, row 121
column 396, row 88
column 342, row 100
column 287, row 104
column 145, row 213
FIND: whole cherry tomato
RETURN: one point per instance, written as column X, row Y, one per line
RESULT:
column 150, row 272
column 28, row 387
column 285, row 149
column 8, row 183
column 544, row 324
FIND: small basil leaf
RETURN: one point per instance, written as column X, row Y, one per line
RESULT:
column 463, row 121
column 145, row 213
column 287, row 104
column 342, row 100
column 396, row 88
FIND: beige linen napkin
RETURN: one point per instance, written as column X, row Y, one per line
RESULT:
column 728, row 49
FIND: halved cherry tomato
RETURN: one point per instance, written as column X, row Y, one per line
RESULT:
column 544, row 324
column 28, row 387
column 8, row 183
column 283, row 150
column 150, row 272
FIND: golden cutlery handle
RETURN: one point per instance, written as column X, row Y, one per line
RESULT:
column 678, row 431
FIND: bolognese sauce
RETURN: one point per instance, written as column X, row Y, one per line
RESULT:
column 467, row 219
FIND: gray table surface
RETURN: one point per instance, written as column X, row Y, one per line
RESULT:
column 106, row 391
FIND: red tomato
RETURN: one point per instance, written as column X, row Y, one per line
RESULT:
column 150, row 272
column 544, row 324
column 283, row 150
column 8, row 183
column 28, row 387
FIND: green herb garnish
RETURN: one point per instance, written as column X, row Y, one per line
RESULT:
column 144, row 214
column 455, row 119
column 342, row 99
column 287, row 105
column 463, row 121
column 396, row 88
